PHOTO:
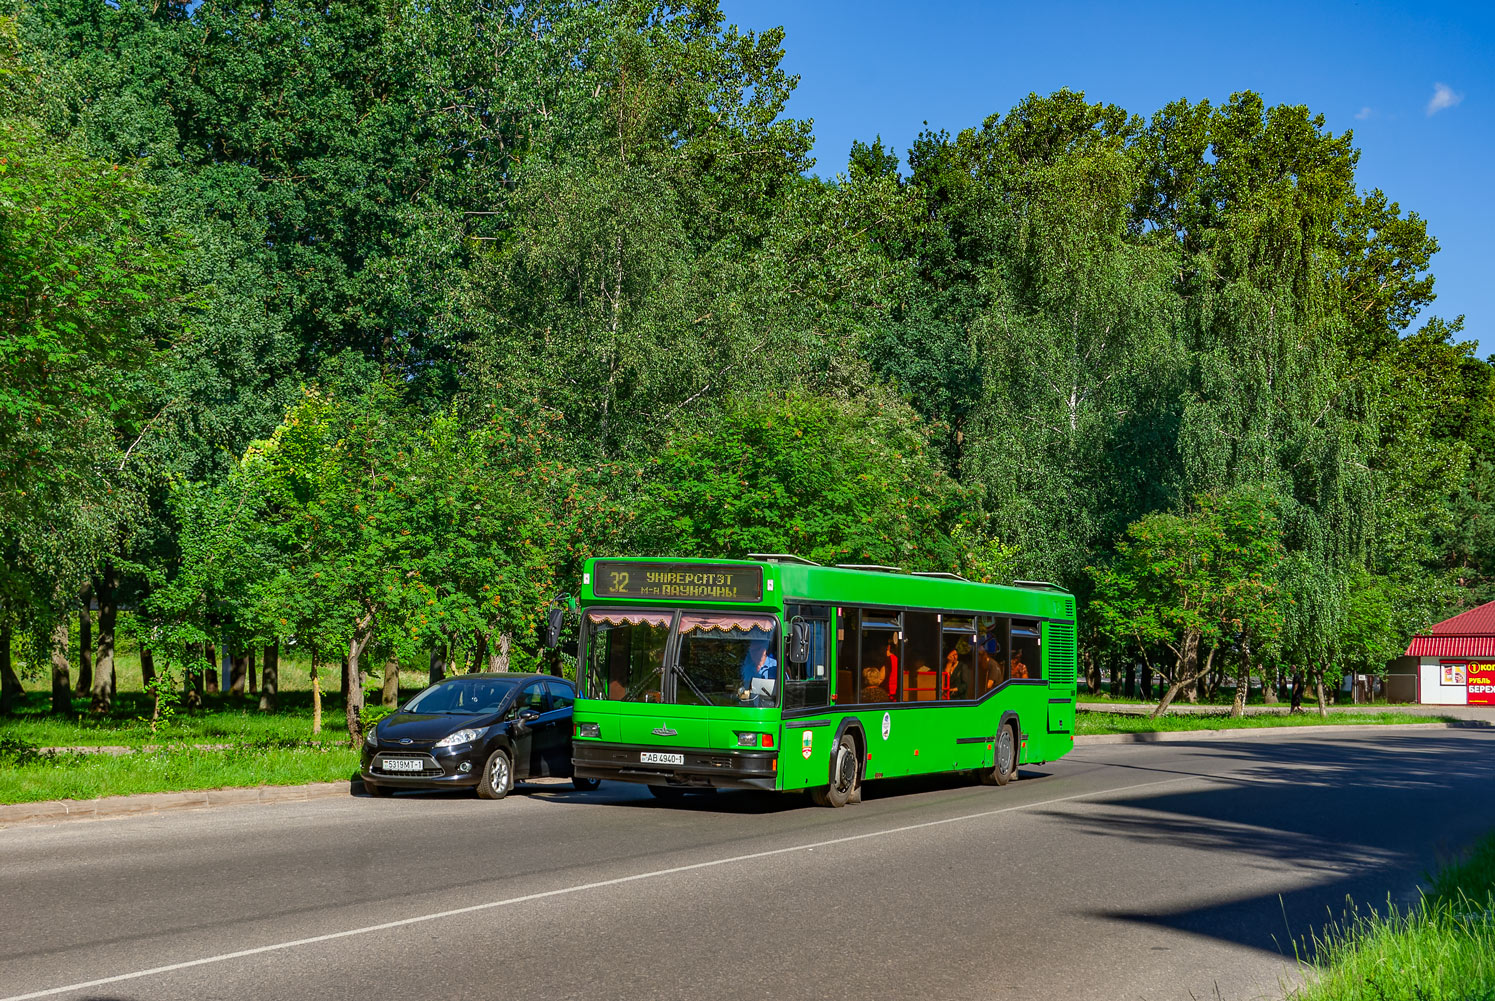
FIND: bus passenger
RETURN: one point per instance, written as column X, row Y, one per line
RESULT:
column 874, row 684
column 1019, row 669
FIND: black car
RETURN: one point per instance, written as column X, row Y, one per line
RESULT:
column 474, row 730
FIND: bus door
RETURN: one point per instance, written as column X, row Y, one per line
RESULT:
column 805, row 742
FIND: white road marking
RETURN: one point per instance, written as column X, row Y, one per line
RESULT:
column 509, row 902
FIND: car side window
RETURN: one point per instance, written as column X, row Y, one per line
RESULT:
column 561, row 694
column 534, row 698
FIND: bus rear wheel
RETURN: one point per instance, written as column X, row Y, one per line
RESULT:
column 846, row 780
column 1004, row 764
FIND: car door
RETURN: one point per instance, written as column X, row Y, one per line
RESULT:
column 557, row 751
column 531, row 758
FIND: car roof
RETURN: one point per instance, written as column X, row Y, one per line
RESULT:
column 503, row 676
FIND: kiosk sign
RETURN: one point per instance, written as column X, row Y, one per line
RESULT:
column 1482, row 684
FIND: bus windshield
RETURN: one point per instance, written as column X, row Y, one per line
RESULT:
column 716, row 658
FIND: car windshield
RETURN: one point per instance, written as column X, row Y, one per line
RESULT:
column 462, row 697
column 719, row 658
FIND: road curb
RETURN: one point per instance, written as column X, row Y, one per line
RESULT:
column 1176, row 736
column 52, row 811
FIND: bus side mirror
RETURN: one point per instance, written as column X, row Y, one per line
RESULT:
column 554, row 619
column 799, row 642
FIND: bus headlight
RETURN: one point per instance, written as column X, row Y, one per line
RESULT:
column 589, row 730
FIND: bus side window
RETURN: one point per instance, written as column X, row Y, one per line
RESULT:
column 848, row 643
column 921, row 657
column 881, row 656
column 1026, row 659
column 991, row 653
column 958, row 657
column 808, row 684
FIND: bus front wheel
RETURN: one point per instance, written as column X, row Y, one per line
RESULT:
column 1004, row 767
column 846, row 780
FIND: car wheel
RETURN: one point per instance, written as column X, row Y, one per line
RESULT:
column 584, row 785
column 1004, row 765
column 498, row 776
column 846, row 780
column 374, row 789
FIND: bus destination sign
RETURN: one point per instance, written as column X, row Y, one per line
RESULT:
column 678, row 581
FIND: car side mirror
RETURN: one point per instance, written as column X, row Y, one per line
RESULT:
column 799, row 642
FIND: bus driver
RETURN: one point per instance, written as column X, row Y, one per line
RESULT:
column 759, row 671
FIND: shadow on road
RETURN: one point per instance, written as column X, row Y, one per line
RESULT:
column 1366, row 819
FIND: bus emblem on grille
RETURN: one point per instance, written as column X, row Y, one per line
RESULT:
column 664, row 731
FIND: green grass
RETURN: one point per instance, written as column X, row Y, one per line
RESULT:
column 1440, row 949
column 1099, row 722
column 27, row 776
column 224, row 719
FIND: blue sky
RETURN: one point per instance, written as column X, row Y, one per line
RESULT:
column 1416, row 84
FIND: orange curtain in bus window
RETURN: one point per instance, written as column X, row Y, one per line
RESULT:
column 1482, row 684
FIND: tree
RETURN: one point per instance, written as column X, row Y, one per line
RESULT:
column 832, row 482
column 1194, row 583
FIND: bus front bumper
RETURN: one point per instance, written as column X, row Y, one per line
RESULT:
column 716, row 769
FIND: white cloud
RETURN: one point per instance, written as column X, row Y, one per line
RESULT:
column 1363, row 114
column 1443, row 97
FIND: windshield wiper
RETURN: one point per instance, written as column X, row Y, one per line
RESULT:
column 706, row 699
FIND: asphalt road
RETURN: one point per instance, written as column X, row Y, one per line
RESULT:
column 1121, row 872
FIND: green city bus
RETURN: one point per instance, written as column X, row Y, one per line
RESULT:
column 778, row 673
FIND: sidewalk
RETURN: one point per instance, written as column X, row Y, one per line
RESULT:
column 1485, row 714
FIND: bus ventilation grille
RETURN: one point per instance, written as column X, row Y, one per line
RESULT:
column 1061, row 652
column 1069, row 607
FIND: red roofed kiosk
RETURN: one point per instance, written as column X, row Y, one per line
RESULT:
column 1454, row 662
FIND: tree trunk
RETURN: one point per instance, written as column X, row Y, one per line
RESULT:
column 62, row 689
column 249, row 669
column 438, row 664
column 1188, row 672
column 1147, row 681
column 498, row 656
column 391, row 694
column 210, row 678
column 480, row 653
column 346, row 688
column 1269, row 685
column 316, row 698
column 10, row 682
column 1243, row 682
column 1297, row 699
column 353, row 708
column 147, row 668
column 1318, row 690
column 271, row 676
column 1092, row 671
column 192, row 678
column 236, row 677
column 103, row 683
column 1129, row 689
column 85, row 645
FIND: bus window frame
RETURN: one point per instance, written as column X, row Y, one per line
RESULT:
column 839, row 608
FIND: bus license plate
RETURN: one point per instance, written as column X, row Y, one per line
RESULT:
column 404, row 765
column 655, row 758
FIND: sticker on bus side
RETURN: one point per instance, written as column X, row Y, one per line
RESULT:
column 887, row 725
column 807, row 744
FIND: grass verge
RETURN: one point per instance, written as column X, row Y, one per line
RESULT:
column 1440, row 949
column 224, row 719
column 28, row 776
column 1099, row 722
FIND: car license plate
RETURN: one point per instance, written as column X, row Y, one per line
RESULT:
column 404, row 765
column 655, row 758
